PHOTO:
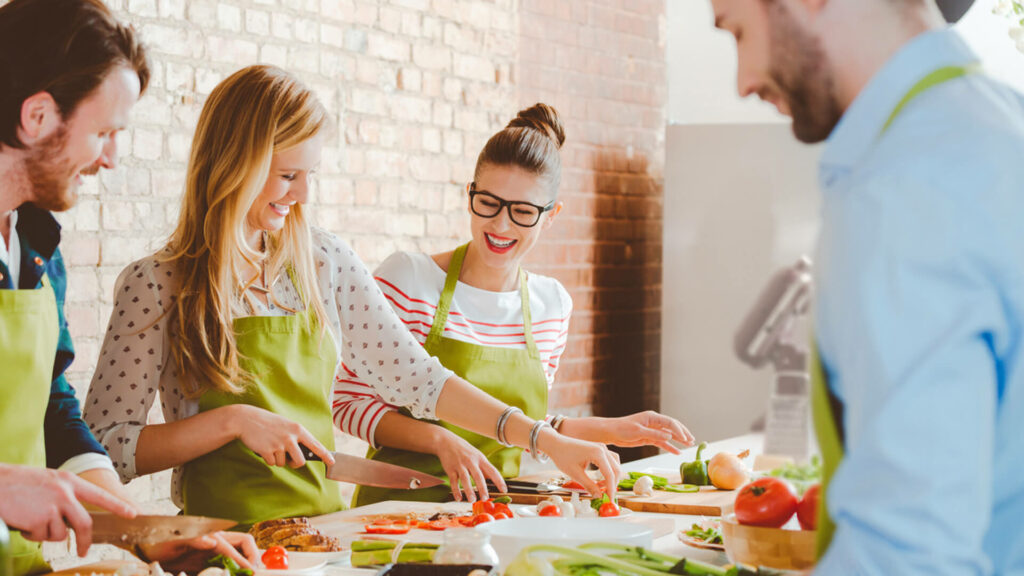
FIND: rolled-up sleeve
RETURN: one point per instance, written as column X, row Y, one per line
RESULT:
column 129, row 368
column 377, row 346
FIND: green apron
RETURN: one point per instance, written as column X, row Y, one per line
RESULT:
column 515, row 377
column 294, row 378
column 824, row 405
column 28, row 345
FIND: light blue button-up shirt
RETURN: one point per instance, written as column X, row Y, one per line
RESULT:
column 919, row 321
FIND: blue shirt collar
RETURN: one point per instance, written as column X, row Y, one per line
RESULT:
column 860, row 126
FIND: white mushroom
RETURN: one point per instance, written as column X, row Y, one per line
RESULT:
column 644, row 486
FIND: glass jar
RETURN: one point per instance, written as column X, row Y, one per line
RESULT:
column 466, row 546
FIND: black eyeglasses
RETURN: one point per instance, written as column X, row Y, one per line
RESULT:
column 487, row 205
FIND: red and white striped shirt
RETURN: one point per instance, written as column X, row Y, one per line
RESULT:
column 412, row 283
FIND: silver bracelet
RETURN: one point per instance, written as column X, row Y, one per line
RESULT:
column 556, row 422
column 534, row 434
column 499, row 430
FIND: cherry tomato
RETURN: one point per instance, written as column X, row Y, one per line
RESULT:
column 608, row 509
column 550, row 510
column 484, row 506
column 807, row 509
column 275, row 558
column 766, row 501
column 481, row 518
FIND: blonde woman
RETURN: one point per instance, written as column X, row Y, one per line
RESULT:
column 483, row 316
column 241, row 320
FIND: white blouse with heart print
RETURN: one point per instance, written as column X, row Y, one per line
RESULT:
column 133, row 367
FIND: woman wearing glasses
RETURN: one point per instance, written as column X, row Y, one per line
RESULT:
column 489, row 321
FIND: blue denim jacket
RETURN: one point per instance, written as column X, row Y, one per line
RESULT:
column 66, row 433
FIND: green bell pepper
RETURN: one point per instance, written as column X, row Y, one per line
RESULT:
column 695, row 472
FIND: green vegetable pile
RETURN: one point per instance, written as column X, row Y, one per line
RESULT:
column 802, row 476
column 378, row 553
column 614, row 559
column 660, row 483
column 711, row 535
column 229, row 564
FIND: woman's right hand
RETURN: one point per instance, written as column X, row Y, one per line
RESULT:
column 276, row 439
column 573, row 456
column 464, row 465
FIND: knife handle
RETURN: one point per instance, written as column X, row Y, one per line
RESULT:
column 310, row 455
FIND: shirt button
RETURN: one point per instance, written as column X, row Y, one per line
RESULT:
column 38, row 261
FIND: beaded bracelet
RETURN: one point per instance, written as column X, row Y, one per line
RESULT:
column 499, row 431
column 534, row 434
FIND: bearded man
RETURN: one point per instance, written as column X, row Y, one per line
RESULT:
column 70, row 74
column 919, row 327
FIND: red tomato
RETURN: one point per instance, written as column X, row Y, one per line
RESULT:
column 383, row 522
column 767, row 501
column 608, row 509
column 466, row 520
column 573, row 485
column 392, row 529
column 501, row 516
column 275, row 558
column 550, row 510
column 500, row 508
column 481, row 518
column 807, row 509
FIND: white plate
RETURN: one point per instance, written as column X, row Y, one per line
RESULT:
column 304, row 563
column 530, row 511
column 510, row 536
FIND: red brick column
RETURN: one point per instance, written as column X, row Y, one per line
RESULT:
column 602, row 65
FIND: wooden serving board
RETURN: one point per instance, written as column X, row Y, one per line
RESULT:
column 709, row 501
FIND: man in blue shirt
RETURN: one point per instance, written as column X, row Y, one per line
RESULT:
column 920, row 275
column 70, row 74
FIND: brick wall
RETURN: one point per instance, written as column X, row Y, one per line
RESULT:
column 415, row 88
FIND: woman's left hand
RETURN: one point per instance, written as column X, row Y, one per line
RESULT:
column 191, row 555
column 642, row 429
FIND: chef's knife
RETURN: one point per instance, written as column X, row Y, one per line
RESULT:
column 371, row 473
column 519, row 486
column 109, row 528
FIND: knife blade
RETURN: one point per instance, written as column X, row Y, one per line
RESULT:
column 515, row 486
column 109, row 528
column 372, row 473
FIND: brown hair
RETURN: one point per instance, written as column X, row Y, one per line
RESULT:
column 530, row 141
column 63, row 47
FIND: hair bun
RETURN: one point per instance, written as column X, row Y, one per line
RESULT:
column 543, row 118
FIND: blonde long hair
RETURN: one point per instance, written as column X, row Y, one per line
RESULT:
column 255, row 113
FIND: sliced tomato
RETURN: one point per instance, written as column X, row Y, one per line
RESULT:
column 550, row 510
column 383, row 522
column 608, row 509
column 500, row 508
column 573, row 485
column 501, row 516
column 273, row 550
column 482, row 518
column 465, row 520
column 392, row 529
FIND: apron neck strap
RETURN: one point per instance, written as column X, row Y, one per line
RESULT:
column 445, row 303
column 929, row 81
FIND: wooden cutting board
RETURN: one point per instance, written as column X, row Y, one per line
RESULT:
column 709, row 501
column 104, row 567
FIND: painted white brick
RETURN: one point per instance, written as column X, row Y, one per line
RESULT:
column 387, row 47
column 331, row 35
column 231, row 50
column 432, row 57
column 147, row 144
column 145, row 8
column 474, row 67
column 117, row 215
column 174, row 9
column 431, row 139
column 274, row 54
column 257, row 22
column 281, row 25
column 453, row 143
column 410, row 80
column 229, row 17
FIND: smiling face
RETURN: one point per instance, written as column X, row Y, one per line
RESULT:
column 782, row 62
column 499, row 242
column 81, row 144
column 291, row 173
